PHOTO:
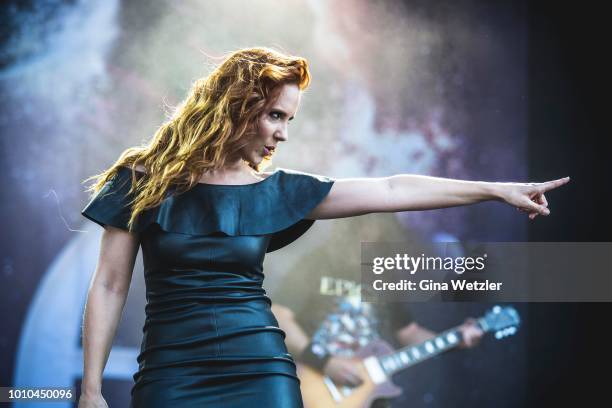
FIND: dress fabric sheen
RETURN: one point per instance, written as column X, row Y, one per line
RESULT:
column 210, row 338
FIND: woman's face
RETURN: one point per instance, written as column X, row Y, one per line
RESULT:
column 272, row 124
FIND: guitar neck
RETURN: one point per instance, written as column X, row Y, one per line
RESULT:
column 411, row 355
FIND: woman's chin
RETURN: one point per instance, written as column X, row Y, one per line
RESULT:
column 265, row 157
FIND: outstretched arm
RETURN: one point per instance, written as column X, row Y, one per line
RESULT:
column 407, row 192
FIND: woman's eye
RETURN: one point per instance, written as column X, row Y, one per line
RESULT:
column 275, row 115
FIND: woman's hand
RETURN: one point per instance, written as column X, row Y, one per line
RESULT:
column 529, row 197
column 92, row 401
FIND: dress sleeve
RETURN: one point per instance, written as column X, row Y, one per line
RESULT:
column 300, row 194
column 111, row 205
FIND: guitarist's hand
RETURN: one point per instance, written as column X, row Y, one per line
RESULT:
column 470, row 333
column 343, row 370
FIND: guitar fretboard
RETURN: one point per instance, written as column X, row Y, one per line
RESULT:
column 411, row 355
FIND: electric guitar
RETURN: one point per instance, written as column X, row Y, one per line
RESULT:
column 379, row 362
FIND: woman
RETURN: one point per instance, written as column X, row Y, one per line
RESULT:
column 205, row 214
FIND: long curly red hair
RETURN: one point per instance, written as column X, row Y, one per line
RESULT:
column 210, row 125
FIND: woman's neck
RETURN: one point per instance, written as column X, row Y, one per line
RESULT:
column 233, row 173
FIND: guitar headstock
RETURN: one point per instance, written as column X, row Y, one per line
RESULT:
column 504, row 321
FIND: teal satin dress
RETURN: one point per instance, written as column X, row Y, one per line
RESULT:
column 210, row 338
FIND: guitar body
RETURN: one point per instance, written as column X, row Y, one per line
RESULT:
column 316, row 391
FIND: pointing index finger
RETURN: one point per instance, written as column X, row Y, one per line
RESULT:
column 549, row 185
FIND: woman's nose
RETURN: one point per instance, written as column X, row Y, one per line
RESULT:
column 282, row 135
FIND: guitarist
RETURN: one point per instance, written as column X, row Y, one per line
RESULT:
column 311, row 303
column 346, row 324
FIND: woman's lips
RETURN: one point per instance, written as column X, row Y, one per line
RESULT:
column 268, row 150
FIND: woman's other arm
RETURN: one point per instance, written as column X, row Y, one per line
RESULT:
column 105, row 300
column 407, row 192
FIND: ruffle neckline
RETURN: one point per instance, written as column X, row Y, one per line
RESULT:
column 276, row 205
